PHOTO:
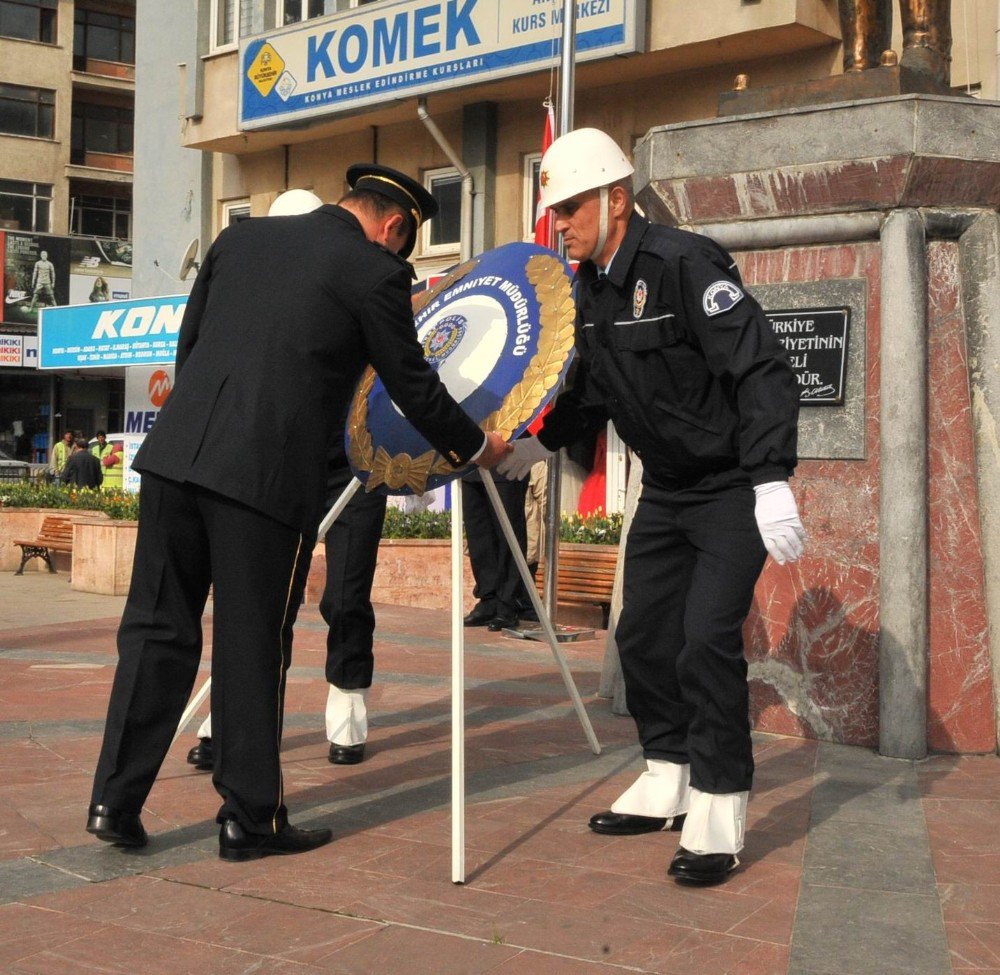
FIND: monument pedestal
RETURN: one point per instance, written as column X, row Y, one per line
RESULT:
column 852, row 86
column 886, row 207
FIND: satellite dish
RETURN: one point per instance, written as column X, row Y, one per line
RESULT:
column 190, row 259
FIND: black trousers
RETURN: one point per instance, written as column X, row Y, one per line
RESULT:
column 692, row 559
column 189, row 539
column 351, row 555
column 493, row 565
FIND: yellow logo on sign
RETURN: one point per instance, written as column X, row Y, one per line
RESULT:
column 266, row 69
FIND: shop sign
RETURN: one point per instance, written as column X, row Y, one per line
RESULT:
column 816, row 342
column 142, row 331
column 146, row 390
column 18, row 351
column 403, row 48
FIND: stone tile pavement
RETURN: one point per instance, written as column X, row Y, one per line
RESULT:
column 854, row 864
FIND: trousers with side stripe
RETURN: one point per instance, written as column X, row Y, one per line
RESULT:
column 692, row 559
column 191, row 539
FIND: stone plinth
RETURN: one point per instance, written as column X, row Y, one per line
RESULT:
column 802, row 199
column 881, row 82
column 910, row 151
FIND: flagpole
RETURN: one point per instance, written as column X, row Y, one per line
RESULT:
column 553, row 483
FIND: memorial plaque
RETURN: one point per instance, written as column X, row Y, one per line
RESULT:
column 816, row 342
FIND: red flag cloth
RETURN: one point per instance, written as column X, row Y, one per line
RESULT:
column 594, row 491
column 543, row 217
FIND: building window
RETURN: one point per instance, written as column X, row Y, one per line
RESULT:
column 29, row 20
column 529, row 193
column 443, row 234
column 223, row 29
column 292, row 11
column 27, row 111
column 100, row 216
column 100, row 128
column 102, row 37
column 25, row 206
column 236, row 211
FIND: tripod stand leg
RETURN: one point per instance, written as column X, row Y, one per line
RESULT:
column 543, row 619
column 457, row 689
column 192, row 707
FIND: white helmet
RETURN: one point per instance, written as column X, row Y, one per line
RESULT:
column 292, row 202
column 581, row 160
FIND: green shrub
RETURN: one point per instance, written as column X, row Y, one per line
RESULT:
column 416, row 524
column 596, row 529
column 116, row 504
column 599, row 529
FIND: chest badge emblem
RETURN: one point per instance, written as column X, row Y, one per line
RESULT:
column 639, row 297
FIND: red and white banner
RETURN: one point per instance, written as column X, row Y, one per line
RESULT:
column 544, row 230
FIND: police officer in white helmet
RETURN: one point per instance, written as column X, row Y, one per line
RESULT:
column 681, row 358
column 351, row 552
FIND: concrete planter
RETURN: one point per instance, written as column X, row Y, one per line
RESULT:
column 24, row 523
column 417, row 572
column 410, row 572
column 102, row 556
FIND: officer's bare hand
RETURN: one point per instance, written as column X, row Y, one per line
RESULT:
column 778, row 521
column 495, row 450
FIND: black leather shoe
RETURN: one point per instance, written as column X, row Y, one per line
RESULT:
column 115, row 826
column 235, row 843
column 501, row 622
column 347, row 754
column 201, row 756
column 481, row 614
column 624, row 824
column 702, row 868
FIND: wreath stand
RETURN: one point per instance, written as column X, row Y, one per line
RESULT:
column 457, row 653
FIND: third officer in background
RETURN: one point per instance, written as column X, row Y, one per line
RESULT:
column 674, row 351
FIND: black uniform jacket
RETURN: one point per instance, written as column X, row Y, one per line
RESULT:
column 683, row 360
column 283, row 317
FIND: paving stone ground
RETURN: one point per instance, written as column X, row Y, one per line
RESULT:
column 854, row 864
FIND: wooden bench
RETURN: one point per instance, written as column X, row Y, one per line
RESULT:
column 55, row 535
column 586, row 575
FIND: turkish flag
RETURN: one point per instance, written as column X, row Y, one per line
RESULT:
column 544, row 235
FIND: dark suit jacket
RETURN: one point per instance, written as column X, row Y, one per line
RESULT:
column 283, row 317
column 83, row 469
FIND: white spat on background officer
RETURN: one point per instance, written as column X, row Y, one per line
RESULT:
column 674, row 351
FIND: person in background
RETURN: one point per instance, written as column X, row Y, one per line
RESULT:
column 82, row 469
column 351, row 547
column 110, row 458
column 60, row 454
column 682, row 359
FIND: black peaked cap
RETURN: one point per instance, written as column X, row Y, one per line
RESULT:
column 398, row 187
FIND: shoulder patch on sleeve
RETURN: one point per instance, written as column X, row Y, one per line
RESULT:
column 720, row 297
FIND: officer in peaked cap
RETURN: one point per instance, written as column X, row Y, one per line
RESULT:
column 399, row 188
column 285, row 314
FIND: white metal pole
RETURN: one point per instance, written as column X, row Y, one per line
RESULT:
column 550, row 633
column 338, row 507
column 457, row 689
column 553, row 482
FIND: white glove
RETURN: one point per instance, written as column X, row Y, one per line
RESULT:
column 527, row 452
column 778, row 521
